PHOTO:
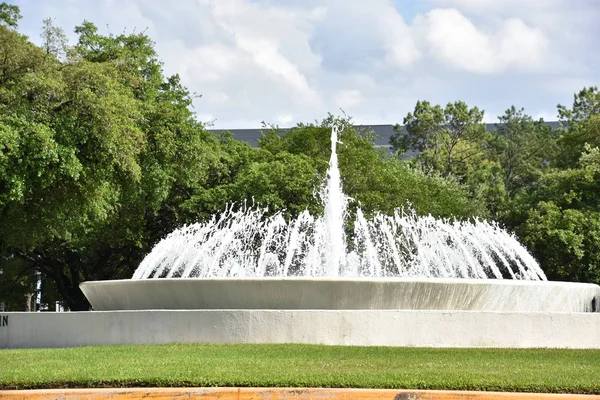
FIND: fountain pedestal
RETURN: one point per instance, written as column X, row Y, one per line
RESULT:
column 342, row 294
column 357, row 312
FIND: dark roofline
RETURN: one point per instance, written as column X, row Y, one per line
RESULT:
column 383, row 132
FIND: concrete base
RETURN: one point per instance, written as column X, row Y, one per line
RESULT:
column 330, row 327
column 343, row 294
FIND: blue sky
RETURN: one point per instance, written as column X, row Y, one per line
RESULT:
column 286, row 61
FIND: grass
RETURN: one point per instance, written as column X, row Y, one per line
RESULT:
column 523, row 370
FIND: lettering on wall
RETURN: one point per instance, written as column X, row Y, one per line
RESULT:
column 3, row 320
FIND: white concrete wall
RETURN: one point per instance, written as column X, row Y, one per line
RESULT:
column 347, row 327
column 343, row 294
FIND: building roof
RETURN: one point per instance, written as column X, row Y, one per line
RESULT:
column 383, row 132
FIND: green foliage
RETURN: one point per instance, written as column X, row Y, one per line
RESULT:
column 9, row 15
column 369, row 177
column 283, row 181
column 19, row 58
column 540, row 183
column 516, row 155
column 565, row 241
column 522, row 147
column 97, row 152
column 17, row 284
column 231, row 160
column 581, row 126
column 562, row 227
column 133, row 55
column 557, row 210
column 54, row 40
column 67, row 160
column 448, row 140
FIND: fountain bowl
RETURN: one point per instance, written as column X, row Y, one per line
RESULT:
column 302, row 293
column 421, row 312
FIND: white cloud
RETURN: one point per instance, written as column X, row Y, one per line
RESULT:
column 397, row 36
column 348, row 98
column 570, row 27
column 284, row 119
column 502, row 6
column 366, row 34
column 521, row 46
column 285, row 61
column 205, row 63
column 261, row 33
column 454, row 40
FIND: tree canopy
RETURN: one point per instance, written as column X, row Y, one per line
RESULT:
column 540, row 183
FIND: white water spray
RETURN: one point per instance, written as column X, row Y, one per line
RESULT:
column 334, row 213
column 246, row 242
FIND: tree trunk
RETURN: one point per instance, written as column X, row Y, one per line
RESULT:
column 67, row 284
column 28, row 297
column 74, row 297
column 79, row 304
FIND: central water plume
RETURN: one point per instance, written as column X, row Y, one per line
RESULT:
column 247, row 242
column 335, row 210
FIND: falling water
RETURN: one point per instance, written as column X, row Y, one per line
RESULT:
column 247, row 242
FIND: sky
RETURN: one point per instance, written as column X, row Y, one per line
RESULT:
column 290, row 61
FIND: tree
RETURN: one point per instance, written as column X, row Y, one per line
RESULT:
column 133, row 55
column 562, row 228
column 54, row 40
column 425, row 127
column 97, row 153
column 523, row 147
column 580, row 126
column 17, row 288
column 371, row 178
column 283, row 181
column 18, row 57
column 10, row 15
column 447, row 140
column 64, row 162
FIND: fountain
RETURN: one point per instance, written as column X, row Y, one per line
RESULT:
column 245, row 259
column 245, row 242
column 246, row 276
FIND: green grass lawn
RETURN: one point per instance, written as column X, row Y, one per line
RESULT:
column 526, row 370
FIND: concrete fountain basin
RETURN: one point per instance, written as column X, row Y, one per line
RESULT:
column 342, row 294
